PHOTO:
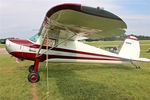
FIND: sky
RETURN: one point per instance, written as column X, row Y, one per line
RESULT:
column 23, row 18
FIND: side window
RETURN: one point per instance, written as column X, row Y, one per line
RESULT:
column 34, row 38
column 50, row 42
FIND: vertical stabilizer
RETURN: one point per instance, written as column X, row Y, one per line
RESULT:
column 130, row 48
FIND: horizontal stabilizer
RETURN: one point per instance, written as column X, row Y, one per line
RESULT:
column 142, row 59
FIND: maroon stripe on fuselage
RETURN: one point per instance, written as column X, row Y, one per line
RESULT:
column 32, row 56
column 32, row 45
column 83, row 58
column 82, row 52
column 21, row 42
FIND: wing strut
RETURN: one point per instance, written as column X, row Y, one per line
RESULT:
column 37, row 55
column 46, row 66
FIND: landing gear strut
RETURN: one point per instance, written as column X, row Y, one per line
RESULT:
column 33, row 76
column 137, row 67
column 31, row 68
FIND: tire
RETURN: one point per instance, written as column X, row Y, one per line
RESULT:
column 33, row 77
column 31, row 68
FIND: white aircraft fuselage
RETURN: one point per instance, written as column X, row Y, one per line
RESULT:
column 69, row 51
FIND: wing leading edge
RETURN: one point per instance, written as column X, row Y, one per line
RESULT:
column 69, row 19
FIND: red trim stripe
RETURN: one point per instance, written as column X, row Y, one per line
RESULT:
column 83, row 58
column 32, row 45
column 32, row 56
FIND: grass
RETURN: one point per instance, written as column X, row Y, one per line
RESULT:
column 77, row 81
column 2, row 45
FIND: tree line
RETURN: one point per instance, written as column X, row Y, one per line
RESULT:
column 120, row 38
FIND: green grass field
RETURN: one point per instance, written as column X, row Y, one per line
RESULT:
column 77, row 81
column 2, row 46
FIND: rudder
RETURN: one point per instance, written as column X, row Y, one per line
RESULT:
column 130, row 48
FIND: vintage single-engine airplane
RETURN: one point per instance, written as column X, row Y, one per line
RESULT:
column 58, row 39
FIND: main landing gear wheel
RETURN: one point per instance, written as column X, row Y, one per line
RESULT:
column 31, row 68
column 33, row 77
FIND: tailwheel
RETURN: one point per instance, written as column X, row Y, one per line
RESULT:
column 31, row 68
column 33, row 77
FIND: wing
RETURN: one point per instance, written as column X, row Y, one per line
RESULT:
column 65, row 20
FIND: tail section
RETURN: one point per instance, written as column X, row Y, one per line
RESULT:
column 130, row 48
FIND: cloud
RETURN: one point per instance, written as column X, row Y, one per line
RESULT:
column 139, row 25
column 21, row 17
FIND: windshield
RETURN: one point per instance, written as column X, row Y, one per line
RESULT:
column 34, row 38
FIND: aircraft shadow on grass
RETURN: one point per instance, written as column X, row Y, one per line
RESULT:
column 73, row 86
